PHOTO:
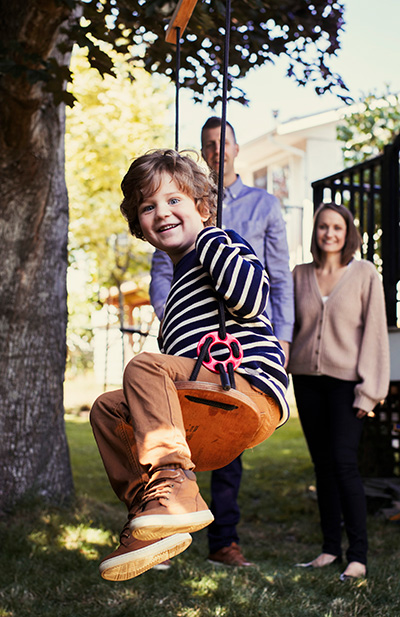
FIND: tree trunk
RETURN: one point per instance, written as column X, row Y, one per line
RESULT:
column 34, row 457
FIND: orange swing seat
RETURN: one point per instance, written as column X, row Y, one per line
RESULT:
column 219, row 423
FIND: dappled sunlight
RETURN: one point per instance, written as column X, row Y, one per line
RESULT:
column 297, row 575
column 287, row 451
column 39, row 540
column 192, row 612
column 85, row 539
column 201, row 586
column 270, row 578
column 244, row 588
column 279, row 528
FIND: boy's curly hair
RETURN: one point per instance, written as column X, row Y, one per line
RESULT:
column 143, row 179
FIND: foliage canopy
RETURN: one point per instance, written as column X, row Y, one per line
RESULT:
column 305, row 31
column 373, row 124
column 113, row 121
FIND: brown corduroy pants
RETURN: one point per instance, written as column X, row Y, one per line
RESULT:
column 140, row 427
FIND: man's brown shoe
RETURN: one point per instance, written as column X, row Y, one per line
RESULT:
column 133, row 557
column 229, row 556
column 171, row 504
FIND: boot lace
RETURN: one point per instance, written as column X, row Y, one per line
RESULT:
column 160, row 488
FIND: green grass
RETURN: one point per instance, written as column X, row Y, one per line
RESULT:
column 49, row 556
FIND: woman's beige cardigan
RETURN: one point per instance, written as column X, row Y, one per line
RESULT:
column 346, row 337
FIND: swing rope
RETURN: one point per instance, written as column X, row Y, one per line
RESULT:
column 227, row 378
column 223, row 114
column 219, row 423
column 177, row 85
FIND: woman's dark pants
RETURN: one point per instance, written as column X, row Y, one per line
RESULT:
column 333, row 433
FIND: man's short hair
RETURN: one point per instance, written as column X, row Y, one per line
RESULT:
column 213, row 123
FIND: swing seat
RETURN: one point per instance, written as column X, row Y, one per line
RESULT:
column 219, row 423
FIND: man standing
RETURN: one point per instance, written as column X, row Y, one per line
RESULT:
column 257, row 216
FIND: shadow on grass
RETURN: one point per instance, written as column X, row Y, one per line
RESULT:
column 49, row 556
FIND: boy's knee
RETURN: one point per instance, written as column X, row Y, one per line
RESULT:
column 142, row 362
column 143, row 358
column 105, row 403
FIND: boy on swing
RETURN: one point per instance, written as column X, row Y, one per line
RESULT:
column 170, row 201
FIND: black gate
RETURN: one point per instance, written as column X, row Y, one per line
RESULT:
column 371, row 191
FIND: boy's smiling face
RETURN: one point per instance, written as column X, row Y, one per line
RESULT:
column 170, row 220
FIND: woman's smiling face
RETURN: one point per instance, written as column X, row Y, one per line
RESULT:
column 170, row 220
column 331, row 231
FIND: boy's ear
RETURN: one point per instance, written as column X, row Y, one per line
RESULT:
column 204, row 211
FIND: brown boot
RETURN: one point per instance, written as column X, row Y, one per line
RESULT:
column 133, row 557
column 171, row 504
column 229, row 556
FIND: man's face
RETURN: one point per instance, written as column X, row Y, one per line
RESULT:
column 211, row 151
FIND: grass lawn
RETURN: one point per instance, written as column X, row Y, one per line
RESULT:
column 49, row 556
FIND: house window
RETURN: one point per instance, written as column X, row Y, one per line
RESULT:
column 260, row 178
column 280, row 183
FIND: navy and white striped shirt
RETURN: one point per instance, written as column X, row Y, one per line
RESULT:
column 225, row 264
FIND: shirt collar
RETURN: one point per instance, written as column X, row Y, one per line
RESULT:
column 231, row 192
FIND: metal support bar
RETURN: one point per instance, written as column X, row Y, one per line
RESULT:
column 179, row 19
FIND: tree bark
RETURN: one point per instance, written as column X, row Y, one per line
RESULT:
column 34, row 457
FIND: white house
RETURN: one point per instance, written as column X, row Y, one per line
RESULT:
column 286, row 161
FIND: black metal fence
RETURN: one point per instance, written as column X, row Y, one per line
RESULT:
column 371, row 191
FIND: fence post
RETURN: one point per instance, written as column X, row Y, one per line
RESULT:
column 390, row 227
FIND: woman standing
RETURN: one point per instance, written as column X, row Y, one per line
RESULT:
column 340, row 365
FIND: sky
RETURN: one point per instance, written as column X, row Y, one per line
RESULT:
column 369, row 59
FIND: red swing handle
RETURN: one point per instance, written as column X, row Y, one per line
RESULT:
column 235, row 351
